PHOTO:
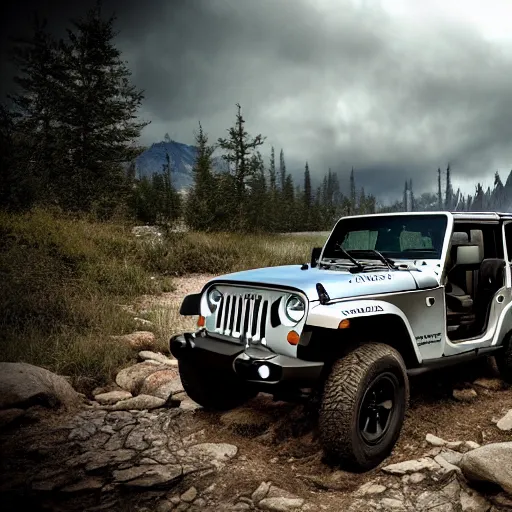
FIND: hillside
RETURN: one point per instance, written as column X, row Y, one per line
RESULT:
column 181, row 157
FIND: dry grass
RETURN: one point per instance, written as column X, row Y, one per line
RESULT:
column 63, row 281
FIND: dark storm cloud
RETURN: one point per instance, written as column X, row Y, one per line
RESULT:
column 337, row 83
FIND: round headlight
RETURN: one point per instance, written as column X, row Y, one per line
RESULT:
column 214, row 298
column 295, row 308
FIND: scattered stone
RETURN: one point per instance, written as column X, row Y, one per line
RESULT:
column 454, row 445
column 132, row 378
column 465, row 395
column 9, row 416
column 452, row 457
column 505, row 423
column 200, row 503
column 446, row 466
column 370, row 488
column 169, row 389
column 471, row 445
column 135, row 440
column 392, row 504
column 140, row 402
column 157, row 475
column 491, row 384
column 138, row 340
column 23, row 385
column 216, row 453
column 190, row 495
column 430, row 500
column 416, row 478
column 148, row 355
column 82, row 433
column 261, row 492
column 164, row 506
column 411, row 466
column 112, row 397
column 240, row 506
column 158, row 379
column 434, row 440
column 472, row 502
column 490, row 463
column 125, row 475
column 281, row 504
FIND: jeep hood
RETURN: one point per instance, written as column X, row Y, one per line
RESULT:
column 338, row 284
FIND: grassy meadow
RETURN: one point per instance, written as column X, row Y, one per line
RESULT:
column 63, row 282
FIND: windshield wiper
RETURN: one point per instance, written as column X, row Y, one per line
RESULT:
column 358, row 265
column 390, row 263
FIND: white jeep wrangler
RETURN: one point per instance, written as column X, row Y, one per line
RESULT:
column 388, row 296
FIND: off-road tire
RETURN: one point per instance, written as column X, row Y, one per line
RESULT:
column 504, row 361
column 214, row 390
column 345, row 388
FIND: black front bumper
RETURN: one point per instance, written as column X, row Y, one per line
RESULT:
column 208, row 352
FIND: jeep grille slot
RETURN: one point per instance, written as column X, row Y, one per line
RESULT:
column 242, row 316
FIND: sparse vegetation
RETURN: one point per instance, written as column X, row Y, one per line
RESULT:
column 64, row 281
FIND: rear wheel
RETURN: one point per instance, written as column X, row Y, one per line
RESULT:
column 214, row 390
column 363, row 406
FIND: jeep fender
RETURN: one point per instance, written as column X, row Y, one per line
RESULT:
column 329, row 316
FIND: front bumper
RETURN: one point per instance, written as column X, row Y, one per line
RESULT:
column 205, row 351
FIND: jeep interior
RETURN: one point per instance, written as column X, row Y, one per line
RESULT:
column 475, row 273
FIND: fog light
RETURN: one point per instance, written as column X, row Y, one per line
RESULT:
column 201, row 321
column 263, row 371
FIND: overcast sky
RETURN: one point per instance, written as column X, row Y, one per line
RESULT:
column 394, row 88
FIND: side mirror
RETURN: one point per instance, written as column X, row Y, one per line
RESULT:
column 468, row 255
column 315, row 256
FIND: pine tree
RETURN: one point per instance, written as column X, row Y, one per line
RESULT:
column 308, row 198
column 449, row 190
column 406, row 198
column 239, row 147
column 282, row 170
column 201, row 211
column 353, row 205
column 411, row 196
column 272, row 170
column 257, row 205
column 439, row 191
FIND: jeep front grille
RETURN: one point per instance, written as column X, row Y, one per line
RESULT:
column 242, row 315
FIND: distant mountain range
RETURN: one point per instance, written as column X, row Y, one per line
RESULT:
column 181, row 157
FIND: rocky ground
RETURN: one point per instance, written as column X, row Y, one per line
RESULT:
column 141, row 444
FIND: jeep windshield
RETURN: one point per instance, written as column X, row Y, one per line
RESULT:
column 394, row 237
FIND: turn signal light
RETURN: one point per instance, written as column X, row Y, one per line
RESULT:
column 293, row 338
column 201, row 321
column 344, row 324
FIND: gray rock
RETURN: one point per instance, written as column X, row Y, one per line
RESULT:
column 471, row 445
column 454, row 445
column 146, row 355
column 112, row 397
column 157, row 475
column 135, row 440
column 82, row 433
column 370, row 488
column 392, row 504
column 465, row 395
column 190, row 495
column 411, row 466
column 472, row 502
column 119, row 419
column 125, row 475
column 171, row 388
column 505, row 423
column 446, row 466
column 434, row 440
column 23, row 385
column 240, row 506
column 490, row 463
column 452, row 457
column 160, row 378
column 281, row 504
column 261, row 492
column 216, row 453
column 140, row 402
column 131, row 378
column 429, row 500
column 9, row 416
column 200, row 502
column 416, row 478
column 164, row 506
column 101, row 459
column 84, row 484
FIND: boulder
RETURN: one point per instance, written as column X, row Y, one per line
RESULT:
column 132, row 378
column 112, row 397
column 23, row 385
column 505, row 423
column 490, row 463
column 140, row 402
column 148, row 355
column 158, row 379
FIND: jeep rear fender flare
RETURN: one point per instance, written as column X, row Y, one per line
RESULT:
column 330, row 315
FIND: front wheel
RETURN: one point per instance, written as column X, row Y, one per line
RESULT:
column 363, row 407
column 504, row 361
column 214, row 390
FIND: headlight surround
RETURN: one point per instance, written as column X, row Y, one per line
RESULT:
column 213, row 297
column 295, row 308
